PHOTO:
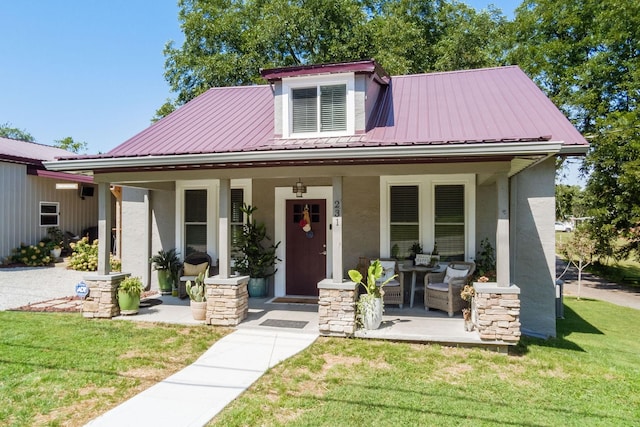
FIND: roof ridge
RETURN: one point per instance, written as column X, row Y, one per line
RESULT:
column 470, row 70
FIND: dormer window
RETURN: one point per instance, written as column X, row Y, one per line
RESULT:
column 318, row 106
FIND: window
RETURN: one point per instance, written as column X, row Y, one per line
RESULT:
column 405, row 219
column 49, row 214
column 449, row 221
column 195, row 221
column 331, row 103
column 237, row 217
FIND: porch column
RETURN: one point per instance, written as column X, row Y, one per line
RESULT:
column 104, row 228
column 502, row 232
column 336, row 227
column 224, row 243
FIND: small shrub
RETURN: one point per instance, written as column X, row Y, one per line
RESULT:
column 132, row 286
column 85, row 256
column 32, row 255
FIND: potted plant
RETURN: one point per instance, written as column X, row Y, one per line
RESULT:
column 253, row 257
column 370, row 306
column 168, row 266
column 129, row 292
column 196, row 292
column 416, row 248
column 55, row 242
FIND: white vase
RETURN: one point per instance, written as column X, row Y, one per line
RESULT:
column 371, row 312
column 55, row 253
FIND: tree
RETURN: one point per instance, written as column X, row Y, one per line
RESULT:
column 579, row 251
column 569, row 202
column 70, row 145
column 586, row 55
column 227, row 42
column 8, row 131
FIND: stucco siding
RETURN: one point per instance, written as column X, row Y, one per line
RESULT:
column 361, row 216
column 486, row 217
column 21, row 195
column 163, row 219
column 136, row 233
column 533, row 246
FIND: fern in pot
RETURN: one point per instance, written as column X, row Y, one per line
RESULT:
column 129, row 291
column 168, row 266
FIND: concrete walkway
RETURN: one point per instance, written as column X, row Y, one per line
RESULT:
column 196, row 394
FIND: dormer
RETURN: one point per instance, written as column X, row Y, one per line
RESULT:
column 327, row 100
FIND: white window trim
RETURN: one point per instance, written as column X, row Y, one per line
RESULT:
column 56, row 215
column 290, row 83
column 213, row 192
column 426, row 208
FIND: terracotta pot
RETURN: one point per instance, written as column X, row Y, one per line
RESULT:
column 199, row 310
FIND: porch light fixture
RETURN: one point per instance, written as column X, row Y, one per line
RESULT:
column 299, row 189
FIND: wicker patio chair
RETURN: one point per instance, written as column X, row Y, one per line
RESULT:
column 194, row 264
column 442, row 290
column 394, row 290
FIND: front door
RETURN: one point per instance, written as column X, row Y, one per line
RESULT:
column 306, row 246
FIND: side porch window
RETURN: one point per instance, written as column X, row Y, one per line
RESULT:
column 49, row 214
column 436, row 211
column 195, row 221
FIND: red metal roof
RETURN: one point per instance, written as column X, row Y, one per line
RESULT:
column 16, row 151
column 487, row 105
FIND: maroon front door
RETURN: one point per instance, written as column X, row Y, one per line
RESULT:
column 306, row 250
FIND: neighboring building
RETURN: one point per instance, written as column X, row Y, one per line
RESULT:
column 30, row 200
column 443, row 158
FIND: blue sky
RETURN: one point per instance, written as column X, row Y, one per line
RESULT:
column 90, row 69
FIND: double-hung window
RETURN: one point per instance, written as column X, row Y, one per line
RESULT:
column 319, row 109
column 195, row 221
column 404, row 227
column 449, row 221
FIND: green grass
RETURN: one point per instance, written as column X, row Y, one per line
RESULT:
column 62, row 369
column 588, row 375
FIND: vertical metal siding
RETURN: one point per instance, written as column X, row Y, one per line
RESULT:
column 20, row 210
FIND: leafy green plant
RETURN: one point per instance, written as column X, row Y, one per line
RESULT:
column 374, row 272
column 132, row 286
column 486, row 261
column 196, row 291
column 169, row 261
column 32, row 255
column 252, row 256
column 85, row 256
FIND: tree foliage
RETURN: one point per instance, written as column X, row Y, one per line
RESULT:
column 586, row 54
column 8, row 131
column 569, row 202
column 70, row 145
column 227, row 42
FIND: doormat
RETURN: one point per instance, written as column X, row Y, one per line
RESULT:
column 281, row 323
column 295, row 300
column 150, row 302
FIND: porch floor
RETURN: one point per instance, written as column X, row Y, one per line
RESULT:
column 399, row 324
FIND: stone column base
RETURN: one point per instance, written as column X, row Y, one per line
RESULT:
column 337, row 308
column 497, row 312
column 102, row 300
column 227, row 300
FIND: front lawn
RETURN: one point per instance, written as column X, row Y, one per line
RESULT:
column 589, row 375
column 62, row 369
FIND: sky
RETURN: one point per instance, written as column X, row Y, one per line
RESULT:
column 90, row 69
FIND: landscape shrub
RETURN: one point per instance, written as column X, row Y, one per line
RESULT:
column 32, row 255
column 85, row 256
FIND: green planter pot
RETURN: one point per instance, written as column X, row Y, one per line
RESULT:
column 257, row 287
column 129, row 304
column 165, row 281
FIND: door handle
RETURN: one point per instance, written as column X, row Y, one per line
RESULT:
column 323, row 253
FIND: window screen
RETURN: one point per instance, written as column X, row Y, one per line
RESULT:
column 405, row 223
column 305, row 110
column 333, row 108
column 195, row 221
column 449, row 222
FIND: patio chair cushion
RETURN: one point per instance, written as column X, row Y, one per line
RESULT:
column 194, row 270
column 453, row 273
column 444, row 287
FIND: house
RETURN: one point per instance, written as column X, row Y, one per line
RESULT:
column 34, row 199
column 444, row 159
